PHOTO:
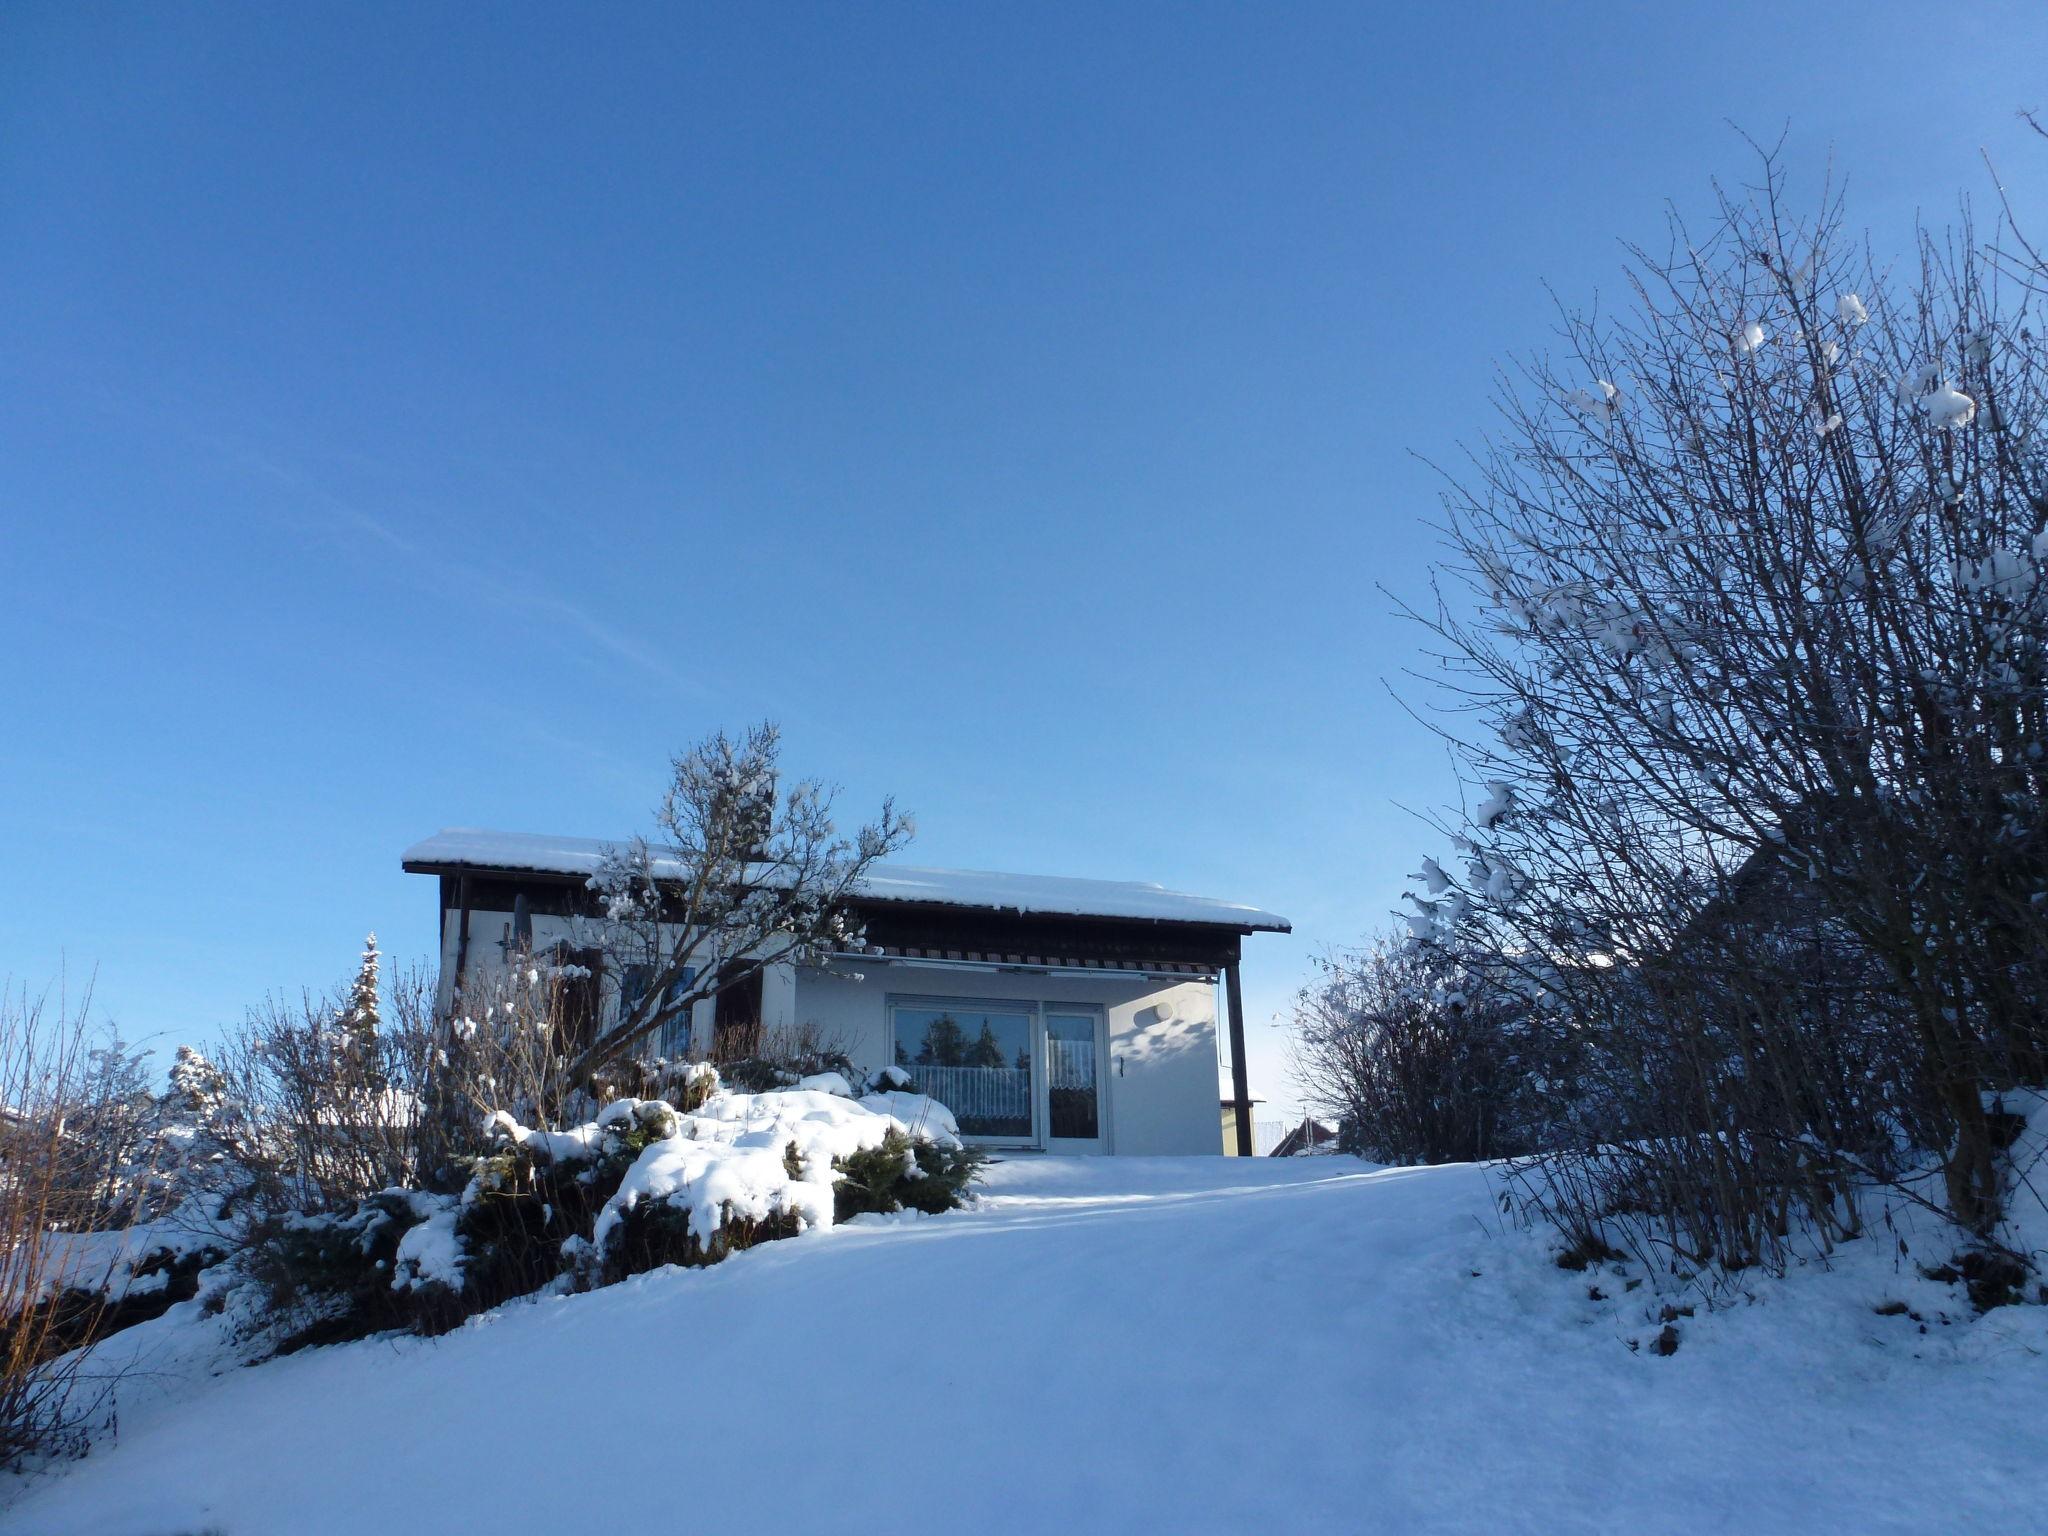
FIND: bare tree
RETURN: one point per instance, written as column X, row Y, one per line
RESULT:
column 1762, row 589
column 739, row 878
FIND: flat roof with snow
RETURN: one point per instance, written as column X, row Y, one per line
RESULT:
column 463, row 848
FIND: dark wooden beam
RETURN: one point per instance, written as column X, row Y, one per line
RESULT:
column 1239, row 1089
column 462, row 935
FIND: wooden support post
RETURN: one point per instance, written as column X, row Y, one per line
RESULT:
column 461, row 940
column 1234, row 996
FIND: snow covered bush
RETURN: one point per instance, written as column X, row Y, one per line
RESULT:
column 197, row 1153
column 747, row 1167
column 902, row 1173
column 311, row 1109
column 334, row 1276
column 1759, row 631
column 101, row 1281
column 644, row 1183
column 351, row 1168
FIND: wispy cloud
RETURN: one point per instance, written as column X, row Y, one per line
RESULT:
column 321, row 510
column 442, row 568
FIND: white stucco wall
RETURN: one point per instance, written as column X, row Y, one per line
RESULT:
column 1159, row 1095
column 1159, row 1091
column 487, row 930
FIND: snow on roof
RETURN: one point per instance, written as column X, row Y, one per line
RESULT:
column 469, row 848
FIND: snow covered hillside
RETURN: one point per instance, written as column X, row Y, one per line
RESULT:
column 1111, row 1345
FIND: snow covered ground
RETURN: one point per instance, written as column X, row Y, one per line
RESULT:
column 1171, row 1345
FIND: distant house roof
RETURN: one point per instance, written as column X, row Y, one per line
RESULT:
column 1307, row 1139
column 462, row 848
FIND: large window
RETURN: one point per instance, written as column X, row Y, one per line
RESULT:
column 974, row 1059
column 1021, row 1073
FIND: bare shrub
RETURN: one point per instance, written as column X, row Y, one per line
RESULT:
column 339, row 1102
column 510, row 1046
column 759, row 1056
column 52, row 1185
column 1411, row 1069
column 1762, row 582
column 1738, row 1094
column 365, row 1090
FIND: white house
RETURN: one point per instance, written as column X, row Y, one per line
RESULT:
column 1047, row 1013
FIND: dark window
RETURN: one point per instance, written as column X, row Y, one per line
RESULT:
column 674, row 1036
column 633, row 980
column 579, row 985
column 736, row 1029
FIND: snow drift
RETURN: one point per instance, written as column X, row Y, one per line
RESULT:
column 1184, row 1345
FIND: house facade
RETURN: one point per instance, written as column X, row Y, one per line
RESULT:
column 1048, row 1014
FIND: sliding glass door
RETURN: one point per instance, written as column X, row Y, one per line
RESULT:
column 1014, row 1074
column 1073, row 1108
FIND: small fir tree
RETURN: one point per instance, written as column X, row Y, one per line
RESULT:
column 361, row 1015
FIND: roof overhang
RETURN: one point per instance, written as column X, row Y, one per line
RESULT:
column 896, row 888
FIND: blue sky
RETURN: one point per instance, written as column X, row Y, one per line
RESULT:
column 431, row 415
